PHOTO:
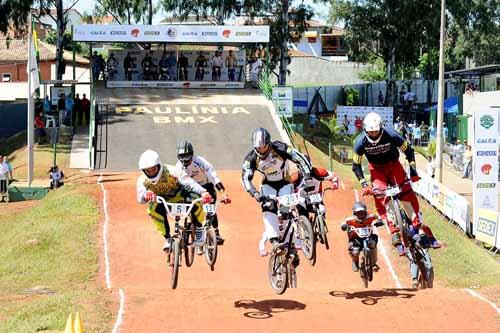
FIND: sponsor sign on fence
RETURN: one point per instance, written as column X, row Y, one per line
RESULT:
column 487, row 227
column 283, row 101
column 485, row 163
column 448, row 202
column 170, row 33
column 175, row 84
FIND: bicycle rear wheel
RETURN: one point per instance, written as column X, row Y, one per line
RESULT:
column 320, row 222
column 188, row 245
column 278, row 273
column 306, row 237
column 210, row 248
column 174, row 263
column 425, row 268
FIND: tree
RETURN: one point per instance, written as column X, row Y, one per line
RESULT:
column 387, row 29
column 15, row 13
column 286, row 19
column 127, row 11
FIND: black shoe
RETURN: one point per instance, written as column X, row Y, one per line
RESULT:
column 296, row 260
column 220, row 240
column 375, row 267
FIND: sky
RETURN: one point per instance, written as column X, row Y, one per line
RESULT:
column 320, row 9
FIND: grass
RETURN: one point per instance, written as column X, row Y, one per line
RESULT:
column 49, row 265
column 461, row 263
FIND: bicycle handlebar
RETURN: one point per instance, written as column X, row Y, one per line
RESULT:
column 168, row 206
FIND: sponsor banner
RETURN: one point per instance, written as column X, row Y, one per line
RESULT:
column 137, row 57
column 171, row 33
column 487, row 226
column 448, row 202
column 485, row 161
column 175, row 84
column 361, row 111
column 283, row 101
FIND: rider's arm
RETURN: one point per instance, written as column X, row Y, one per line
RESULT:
column 293, row 155
column 141, row 189
column 187, row 182
column 322, row 174
column 249, row 166
column 405, row 147
column 357, row 158
column 209, row 169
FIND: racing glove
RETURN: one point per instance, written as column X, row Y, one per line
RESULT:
column 366, row 189
column 149, row 196
column 258, row 197
column 335, row 182
column 414, row 175
column 206, row 198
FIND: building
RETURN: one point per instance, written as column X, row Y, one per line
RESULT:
column 13, row 62
column 72, row 16
column 321, row 40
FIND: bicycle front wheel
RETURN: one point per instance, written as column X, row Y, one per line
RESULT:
column 175, row 261
column 188, row 245
column 306, row 238
column 320, row 222
column 211, row 248
column 278, row 273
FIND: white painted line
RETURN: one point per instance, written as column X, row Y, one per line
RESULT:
column 384, row 253
column 343, row 185
column 105, row 231
column 121, row 311
column 481, row 297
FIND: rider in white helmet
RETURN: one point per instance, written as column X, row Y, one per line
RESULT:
column 381, row 147
column 174, row 185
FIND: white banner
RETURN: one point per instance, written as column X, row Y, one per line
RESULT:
column 485, row 159
column 449, row 203
column 175, row 84
column 171, row 33
column 352, row 112
column 138, row 74
column 283, row 101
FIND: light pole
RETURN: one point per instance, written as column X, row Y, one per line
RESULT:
column 440, row 111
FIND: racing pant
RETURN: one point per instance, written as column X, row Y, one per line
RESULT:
column 356, row 246
column 4, row 184
column 270, row 213
column 392, row 173
column 158, row 212
column 211, row 189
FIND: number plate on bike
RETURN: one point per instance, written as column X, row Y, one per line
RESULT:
column 392, row 191
column 364, row 232
column 208, row 208
column 315, row 198
column 178, row 209
column 289, row 199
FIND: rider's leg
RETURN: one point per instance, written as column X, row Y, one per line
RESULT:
column 354, row 248
column 372, row 244
column 379, row 182
column 285, row 190
column 158, row 215
column 211, row 189
column 269, row 216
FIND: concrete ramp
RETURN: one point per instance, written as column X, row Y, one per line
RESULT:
column 218, row 124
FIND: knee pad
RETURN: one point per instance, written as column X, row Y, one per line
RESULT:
column 354, row 250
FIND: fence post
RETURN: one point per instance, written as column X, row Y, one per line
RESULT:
column 330, row 155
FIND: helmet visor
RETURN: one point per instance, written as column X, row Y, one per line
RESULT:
column 262, row 150
column 152, row 172
column 360, row 214
column 185, row 158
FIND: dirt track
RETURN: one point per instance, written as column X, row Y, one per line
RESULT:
column 237, row 295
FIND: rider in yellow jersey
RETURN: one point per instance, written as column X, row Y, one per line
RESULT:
column 175, row 186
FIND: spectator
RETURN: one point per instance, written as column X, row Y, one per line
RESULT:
column 40, row 134
column 172, row 66
column 402, row 93
column 128, row 65
column 380, row 98
column 431, row 167
column 216, row 66
column 231, row 66
column 68, row 116
column 183, row 67
column 4, row 177
column 77, row 111
column 95, row 66
column 312, row 119
column 46, row 105
column 467, row 162
column 445, row 133
column 102, row 66
column 358, row 124
column 200, row 65
column 8, row 166
column 417, row 135
column 61, row 108
column 345, row 124
column 56, row 177
column 343, row 155
column 85, row 104
column 432, row 133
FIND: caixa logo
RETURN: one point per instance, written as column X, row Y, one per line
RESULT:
column 486, row 140
column 486, row 153
column 135, row 32
column 486, row 169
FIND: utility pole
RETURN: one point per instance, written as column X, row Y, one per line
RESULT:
column 440, row 111
column 284, row 47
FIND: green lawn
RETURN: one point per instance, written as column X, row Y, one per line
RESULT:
column 49, row 265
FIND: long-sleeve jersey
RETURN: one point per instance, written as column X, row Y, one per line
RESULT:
column 381, row 152
column 273, row 166
column 171, row 182
column 200, row 170
column 353, row 222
